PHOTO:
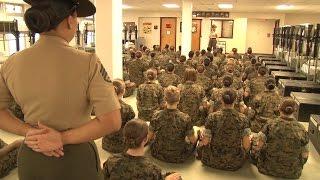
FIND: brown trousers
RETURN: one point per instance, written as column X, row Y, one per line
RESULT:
column 213, row 43
column 80, row 162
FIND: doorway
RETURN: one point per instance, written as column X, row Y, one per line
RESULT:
column 196, row 34
column 168, row 31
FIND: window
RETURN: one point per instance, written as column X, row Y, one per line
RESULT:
column 224, row 27
column 14, row 8
column 91, row 38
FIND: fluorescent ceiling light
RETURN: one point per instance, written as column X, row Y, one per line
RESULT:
column 284, row 7
column 225, row 6
column 124, row 6
column 171, row 6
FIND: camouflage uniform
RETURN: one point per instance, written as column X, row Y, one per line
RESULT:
column 126, row 167
column 202, row 58
column 247, row 56
column 191, row 97
column 285, row 141
column 114, row 142
column 236, row 84
column 16, row 111
column 166, row 79
column 136, row 71
column 164, row 59
column 149, row 99
column 130, row 86
column 180, row 69
column 8, row 162
column 266, row 106
column 211, row 72
column 154, row 64
column 171, row 126
column 172, row 55
column 236, row 56
column 255, row 87
column 205, row 82
column 216, row 98
column 190, row 62
column 227, row 128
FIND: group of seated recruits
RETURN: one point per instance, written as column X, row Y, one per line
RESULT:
column 231, row 100
column 234, row 104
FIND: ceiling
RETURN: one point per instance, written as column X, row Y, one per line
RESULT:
column 300, row 6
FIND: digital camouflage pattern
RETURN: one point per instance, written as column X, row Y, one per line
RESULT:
column 166, row 79
column 136, row 69
column 211, row 71
column 114, row 142
column 16, row 111
column 255, row 86
column 236, row 56
column 180, row 69
column 236, row 84
column 286, row 140
column 149, row 99
column 266, row 106
column 164, row 59
column 8, row 162
column 154, row 64
column 247, row 56
column 130, row 86
column 190, row 63
column 191, row 97
column 205, row 82
column 217, row 102
column 171, row 126
column 225, row 151
column 126, row 167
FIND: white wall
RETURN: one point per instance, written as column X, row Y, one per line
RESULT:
column 239, row 39
column 295, row 19
column 154, row 37
column 257, row 35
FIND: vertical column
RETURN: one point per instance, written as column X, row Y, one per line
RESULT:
column 108, row 23
column 186, row 38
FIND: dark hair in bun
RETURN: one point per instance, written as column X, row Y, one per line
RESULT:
column 170, row 67
column 227, row 80
column 288, row 106
column 229, row 96
column 119, row 86
column 270, row 84
column 138, row 54
column 134, row 132
column 262, row 70
column 46, row 15
column 151, row 75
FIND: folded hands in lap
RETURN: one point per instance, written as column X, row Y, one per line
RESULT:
column 45, row 140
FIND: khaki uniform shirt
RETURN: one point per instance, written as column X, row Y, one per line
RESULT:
column 56, row 84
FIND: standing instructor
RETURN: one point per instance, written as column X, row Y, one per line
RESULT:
column 57, row 88
column 213, row 38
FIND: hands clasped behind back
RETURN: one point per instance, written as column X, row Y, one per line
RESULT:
column 45, row 140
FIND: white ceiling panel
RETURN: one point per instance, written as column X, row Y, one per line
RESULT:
column 300, row 6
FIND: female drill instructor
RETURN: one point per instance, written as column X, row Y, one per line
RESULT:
column 57, row 87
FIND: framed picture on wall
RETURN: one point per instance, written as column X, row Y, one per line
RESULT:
column 224, row 27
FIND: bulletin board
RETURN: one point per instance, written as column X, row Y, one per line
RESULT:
column 147, row 28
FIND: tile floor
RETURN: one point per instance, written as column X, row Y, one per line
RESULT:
column 193, row 169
